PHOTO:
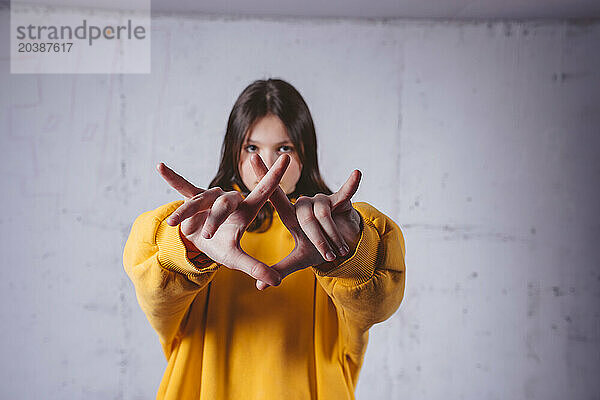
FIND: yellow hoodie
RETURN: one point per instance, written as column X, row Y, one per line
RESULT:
column 224, row 339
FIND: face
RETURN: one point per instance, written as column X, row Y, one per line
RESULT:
column 268, row 138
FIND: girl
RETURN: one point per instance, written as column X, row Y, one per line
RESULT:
column 267, row 219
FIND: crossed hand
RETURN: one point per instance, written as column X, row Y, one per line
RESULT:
column 214, row 221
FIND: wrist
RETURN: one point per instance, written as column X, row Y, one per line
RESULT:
column 186, row 242
column 196, row 257
column 327, row 266
column 354, row 238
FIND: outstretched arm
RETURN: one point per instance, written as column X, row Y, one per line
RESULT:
column 166, row 275
column 368, row 286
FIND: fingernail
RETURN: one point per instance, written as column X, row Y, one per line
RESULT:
column 343, row 250
column 330, row 256
column 205, row 235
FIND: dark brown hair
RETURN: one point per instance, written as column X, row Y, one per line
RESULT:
column 260, row 98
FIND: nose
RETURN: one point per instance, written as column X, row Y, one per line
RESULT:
column 269, row 158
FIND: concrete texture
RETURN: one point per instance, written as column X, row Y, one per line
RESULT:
column 480, row 139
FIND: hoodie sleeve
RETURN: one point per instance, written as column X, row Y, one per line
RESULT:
column 368, row 286
column 166, row 275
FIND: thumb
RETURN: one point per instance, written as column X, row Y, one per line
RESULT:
column 256, row 269
column 300, row 258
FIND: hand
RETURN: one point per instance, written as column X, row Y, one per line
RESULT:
column 214, row 221
column 315, row 222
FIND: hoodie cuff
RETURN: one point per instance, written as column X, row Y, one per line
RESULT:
column 360, row 266
column 174, row 256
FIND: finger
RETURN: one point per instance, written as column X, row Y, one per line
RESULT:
column 194, row 225
column 300, row 258
column 200, row 202
column 267, row 185
column 347, row 190
column 279, row 199
column 260, row 285
column 322, row 211
column 220, row 210
column 311, row 227
column 256, row 269
column 177, row 182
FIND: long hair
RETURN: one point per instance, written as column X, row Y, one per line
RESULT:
column 262, row 97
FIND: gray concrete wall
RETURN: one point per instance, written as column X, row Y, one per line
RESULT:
column 480, row 139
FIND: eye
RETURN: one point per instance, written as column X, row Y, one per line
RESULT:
column 287, row 149
column 250, row 148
